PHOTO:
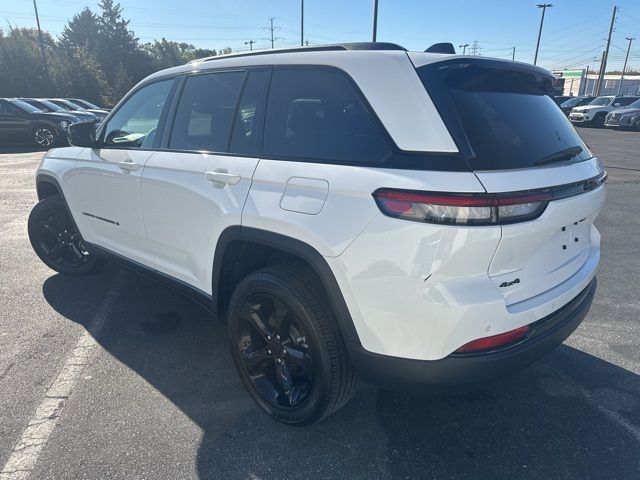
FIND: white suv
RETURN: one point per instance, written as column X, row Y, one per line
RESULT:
column 596, row 111
column 352, row 211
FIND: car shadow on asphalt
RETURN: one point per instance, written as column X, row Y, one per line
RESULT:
column 570, row 415
column 6, row 149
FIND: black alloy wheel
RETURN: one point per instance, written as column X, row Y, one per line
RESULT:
column 274, row 351
column 56, row 240
column 287, row 347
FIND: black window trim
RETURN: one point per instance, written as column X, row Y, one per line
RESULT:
column 397, row 159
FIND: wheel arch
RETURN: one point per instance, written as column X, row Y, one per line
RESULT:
column 48, row 186
column 242, row 250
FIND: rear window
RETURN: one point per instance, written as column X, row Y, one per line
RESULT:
column 625, row 101
column 505, row 117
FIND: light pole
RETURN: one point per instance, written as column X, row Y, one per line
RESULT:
column 375, row 19
column 250, row 43
column 544, row 7
column 301, row 23
column 625, row 63
column 463, row 47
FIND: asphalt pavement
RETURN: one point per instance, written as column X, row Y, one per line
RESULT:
column 155, row 395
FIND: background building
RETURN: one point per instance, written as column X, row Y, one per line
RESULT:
column 576, row 82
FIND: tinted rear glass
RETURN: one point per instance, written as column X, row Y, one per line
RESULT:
column 505, row 116
column 623, row 102
column 317, row 114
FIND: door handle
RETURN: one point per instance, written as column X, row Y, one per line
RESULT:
column 129, row 166
column 221, row 177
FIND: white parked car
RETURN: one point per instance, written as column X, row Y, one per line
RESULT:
column 596, row 112
column 352, row 211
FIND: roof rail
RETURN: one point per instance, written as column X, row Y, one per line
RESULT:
column 313, row 48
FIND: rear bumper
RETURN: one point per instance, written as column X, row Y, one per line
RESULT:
column 474, row 369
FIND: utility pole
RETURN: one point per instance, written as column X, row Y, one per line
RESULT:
column 605, row 57
column 44, row 58
column 475, row 48
column 513, row 54
column 301, row 23
column 250, row 43
column 463, row 47
column 625, row 63
column 375, row 19
column 272, row 29
column 544, row 7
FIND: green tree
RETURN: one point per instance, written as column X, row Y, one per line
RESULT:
column 82, row 77
column 22, row 72
column 81, row 31
column 165, row 53
column 117, row 47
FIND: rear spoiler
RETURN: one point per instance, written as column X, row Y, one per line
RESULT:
column 444, row 47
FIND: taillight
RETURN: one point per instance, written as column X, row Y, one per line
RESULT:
column 491, row 343
column 462, row 209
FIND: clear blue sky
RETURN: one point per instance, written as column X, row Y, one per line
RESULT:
column 574, row 30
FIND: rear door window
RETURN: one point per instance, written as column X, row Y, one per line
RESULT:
column 205, row 112
column 505, row 116
column 317, row 114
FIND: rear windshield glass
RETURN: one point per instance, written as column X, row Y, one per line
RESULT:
column 507, row 119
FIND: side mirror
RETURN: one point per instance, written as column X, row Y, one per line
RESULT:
column 616, row 104
column 82, row 135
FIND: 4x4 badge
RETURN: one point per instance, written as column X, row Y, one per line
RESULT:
column 508, row 284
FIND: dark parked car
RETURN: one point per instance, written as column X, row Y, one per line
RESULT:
column 567, row 105
column 87, row 105
column 47, row 106
column 560, row 98
column 74, row 107
column 21, row 122
column 625, row 117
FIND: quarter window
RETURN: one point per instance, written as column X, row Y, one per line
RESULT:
column 316, row 114
column 134, row 124
column 205, row 112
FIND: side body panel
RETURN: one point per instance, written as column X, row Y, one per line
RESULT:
column 185, row 213
column 107, row 206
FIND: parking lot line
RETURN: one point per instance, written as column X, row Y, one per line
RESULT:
column 26, row 451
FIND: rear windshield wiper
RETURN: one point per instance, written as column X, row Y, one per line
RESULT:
column 562, row 155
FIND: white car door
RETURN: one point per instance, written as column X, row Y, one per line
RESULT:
column 194, row 188
column 106, row 179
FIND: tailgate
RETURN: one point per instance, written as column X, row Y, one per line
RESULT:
column 536, row 256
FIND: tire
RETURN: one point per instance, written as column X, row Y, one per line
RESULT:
column 287, row 347
column 56, row 240
column 44, row 136
column 598, row 120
